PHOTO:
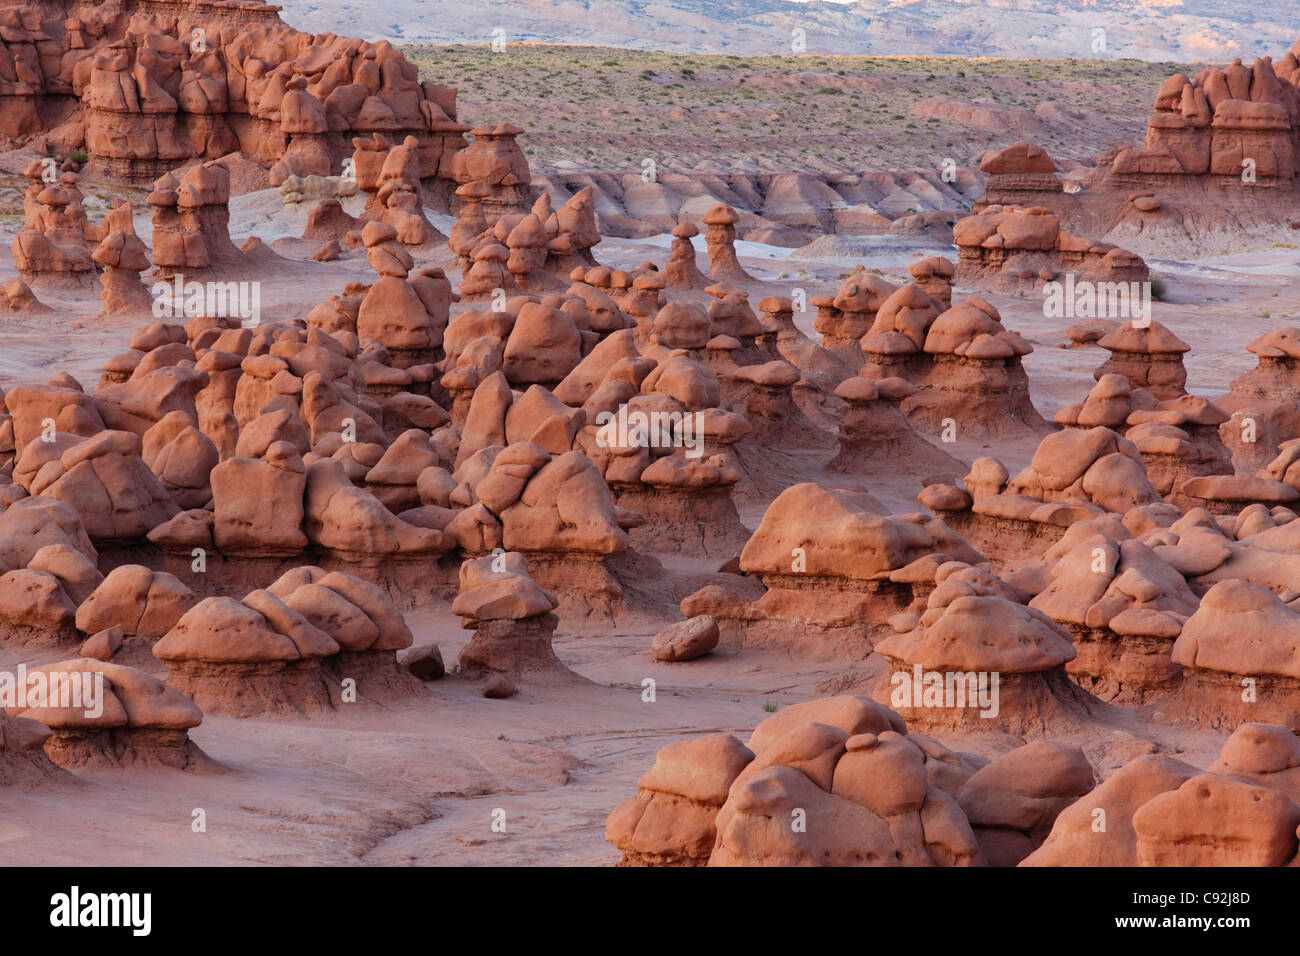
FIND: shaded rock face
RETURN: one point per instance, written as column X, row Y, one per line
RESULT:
column 23, row 760
column 1013, row 802
column 163, row 83
column 104, row 478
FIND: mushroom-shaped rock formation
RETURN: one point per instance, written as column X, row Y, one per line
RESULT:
column 531, row 252
column 869, row 799
column 1148, row 355
column 511, row 618
column 1228, row 494
column 667, row 455
column 864, row 791
column 894, row 342
column 105, row 715
column 393, row 197
column 1178, row 438
column 832, row 572
column 682, row 271
column 405, row 314
column 774, row 415
column 1124, row 606
column 844, row 318
column 1240, row 654
column 985, row 664
column 720, row 236
column 566, row 524
column 1022, row 174
column 249, row 657
column 38, row 603
column 52, row 246
column 973, row 384
column 1158, row 811
column 123, row 257
column 934, row 276
column 191, row 224
column 498, row 169
column 1109, row 403
column 360, row 618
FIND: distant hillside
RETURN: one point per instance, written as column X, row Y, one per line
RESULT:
column 1185, row 30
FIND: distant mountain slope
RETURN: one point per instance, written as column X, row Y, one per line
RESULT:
column 1181, row 30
